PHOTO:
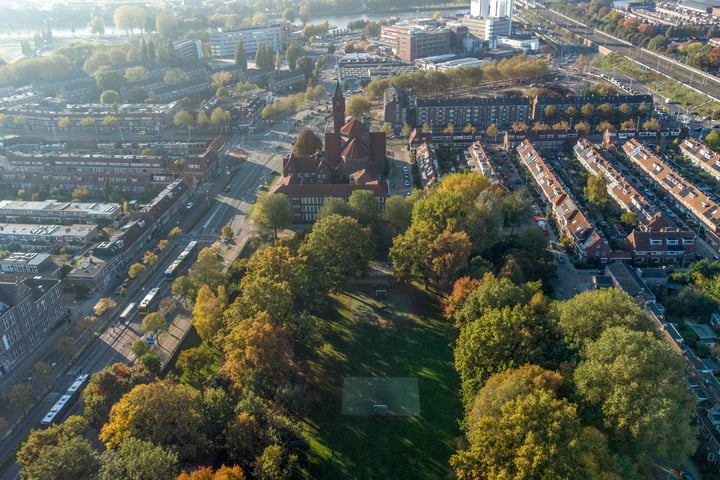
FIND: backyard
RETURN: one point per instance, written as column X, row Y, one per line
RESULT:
column 393, row 356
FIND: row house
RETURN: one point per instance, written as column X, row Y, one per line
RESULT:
column 20, row 265
column 618, row 188
column 587, row 243
column 457, row 139
column 306, row 200
column 702, row 156
column 41, row 237
column 658, row 240
column 427, row 164
column 283, row 81
column 699, row 204
column 477, row 159
column 59, row 212
column 641, row 105
column 549, row 138
column 613, row 138
column 29, row 310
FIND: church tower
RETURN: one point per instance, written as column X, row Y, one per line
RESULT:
column 338, row 108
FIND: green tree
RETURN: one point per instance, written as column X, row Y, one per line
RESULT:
column 41, row 372
column 66, row 346
column 635, row 387
column 517, row 209
column 241, row 56
column 275, row 464
column 307, row 143
column 175, row 76
column 136, row 460
column 502, row 339
column 227, row 233
column 109, row 97
column 271, row 212
column 219, row 117
column 405, row 130
column 166, row 414
column 22, row 396
column 364, row 207
column 64, row 122
column 96, row 26
column 207, row 270
column 184, row 288
column 153, row 324
column 520, row 428
column 203, row 121
column 596, row 190
column 712, row 139
column 109, row 79
column 587, row 315
column 140, row 347
column 357, row 106
column 107, row 386
column 197, row 365
column 338, row 248
column 58, row 453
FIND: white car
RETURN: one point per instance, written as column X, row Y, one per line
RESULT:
column 189, row 205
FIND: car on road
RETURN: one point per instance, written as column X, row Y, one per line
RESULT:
column 189, row 205
column 560, row 258
column 407, row 182
column 226, row 189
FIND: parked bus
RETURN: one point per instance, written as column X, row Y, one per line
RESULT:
column 181, row 261
column 61, row 408
column 128, row 313
column 149, row 301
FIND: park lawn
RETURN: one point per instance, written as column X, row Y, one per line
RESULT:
column 404, row 336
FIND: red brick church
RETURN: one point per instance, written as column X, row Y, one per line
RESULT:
column 353, row 159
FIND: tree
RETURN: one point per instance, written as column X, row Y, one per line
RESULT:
column 219, row 117
column 519, row 127
column 364, row 207
column 163, row 413
column 58, row 453
column 275, row 464
column 582, row 127
column 357, row 106
column 630, row 219
column 109, row 79
column 96, row 26
column 588, row 111
column 307, row 143
column 138, row 459
column 447, row 255
column 109, row 97
column 64, row 122
column 208, row 314
column 492, row 131
column 596, row 190
column 129, row 18
column 166, row 25
column 501, row 339
column 136, row 74
column 183, row 119
column 22, row 396
column 337, row 248
column 241, row 56
column 135, row 270
column 103, row 305
column 652, row 124
column 712, row 139
column 80, row 194
column 140, row 347
column 174, row 232
column 109, row 121
column 66, row 346
column 257, row 355
column 41, row 372
column 197, row 365
column 227, row 233
column 634, row 386
column 153, row 324
column 175, row 76
column 520, row 428
column 184, row 288
column 222, row 473
column 207, row 269
column 272, row 212
column 107, row 386
column 551, row 112
column 587, row 315
column 517, row 209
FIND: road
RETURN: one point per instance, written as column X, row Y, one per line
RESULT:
column 225, row 201
column 697, row 79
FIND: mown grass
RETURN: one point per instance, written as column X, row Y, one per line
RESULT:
column 403, row 336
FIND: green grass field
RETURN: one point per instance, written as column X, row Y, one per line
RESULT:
column 400, row 337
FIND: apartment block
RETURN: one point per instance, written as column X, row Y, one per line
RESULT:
column 28, row 311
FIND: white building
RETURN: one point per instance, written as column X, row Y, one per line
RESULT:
column 489, row 19
column 224, row 40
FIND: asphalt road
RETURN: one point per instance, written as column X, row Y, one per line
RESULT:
column 225, row 201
